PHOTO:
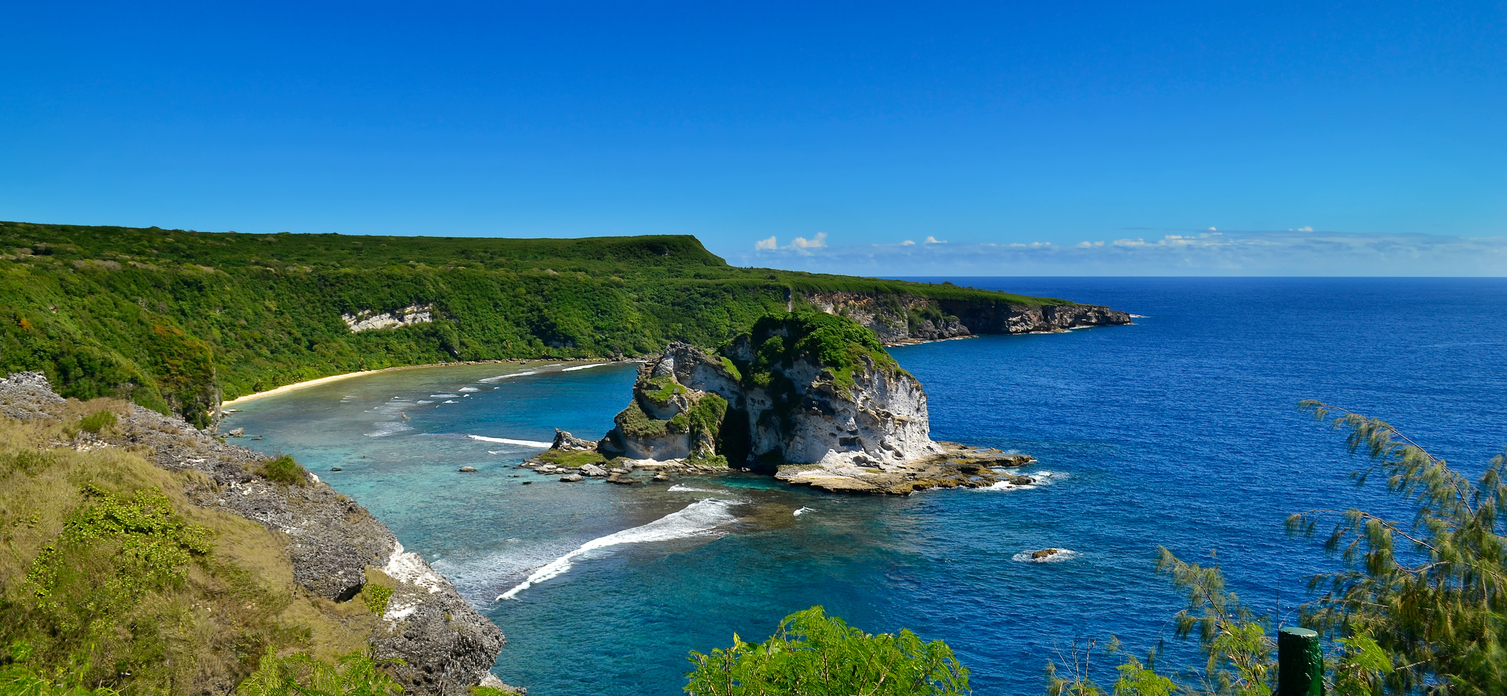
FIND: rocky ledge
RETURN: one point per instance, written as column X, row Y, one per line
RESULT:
column 333, row 543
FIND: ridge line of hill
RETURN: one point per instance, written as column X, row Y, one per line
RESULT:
column 178, row 321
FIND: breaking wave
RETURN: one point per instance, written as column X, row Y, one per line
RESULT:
column 680, row 488
column 499, row 378
column 805, row 510
column 582, row 367
column 510, row 441
column 700, row 517
column 1060, row 556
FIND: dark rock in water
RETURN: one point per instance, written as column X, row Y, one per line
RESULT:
column 572, row 478
column 661, row 476
column 1044, row 553
column 238, row 432
column 622, row 480
column 468, row 469
column 334, row 468
column 527, row 482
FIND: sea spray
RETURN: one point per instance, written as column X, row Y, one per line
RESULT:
column 700, row 517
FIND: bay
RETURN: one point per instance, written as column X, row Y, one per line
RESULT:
column 1179, row 431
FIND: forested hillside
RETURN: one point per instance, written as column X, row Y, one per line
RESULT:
column 176, row 320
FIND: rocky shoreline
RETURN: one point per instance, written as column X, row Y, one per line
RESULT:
column 910, row 319
column 335, row 546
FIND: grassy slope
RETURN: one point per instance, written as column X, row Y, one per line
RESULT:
column 124, row 609
column 167, row 317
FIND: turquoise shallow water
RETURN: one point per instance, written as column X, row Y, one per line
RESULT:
column 1179, row 431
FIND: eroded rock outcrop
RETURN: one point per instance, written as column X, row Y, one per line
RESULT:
column 333, row 543
column 811, row 396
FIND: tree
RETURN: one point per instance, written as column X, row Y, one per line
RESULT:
column 812, row 654
column 1418, row 607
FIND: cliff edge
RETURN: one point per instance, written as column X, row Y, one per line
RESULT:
column 329, row 546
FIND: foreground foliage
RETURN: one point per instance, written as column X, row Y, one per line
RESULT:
column 356, row 674
column 812, row 654
column 1420, row 606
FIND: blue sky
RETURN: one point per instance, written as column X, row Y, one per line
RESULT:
column 1195, row 138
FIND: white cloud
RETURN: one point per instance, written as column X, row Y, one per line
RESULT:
column 933, row 240
column 907, row 243
column 1308, row 228
column 766, row 244
column 817, row 242
column 1253, row 253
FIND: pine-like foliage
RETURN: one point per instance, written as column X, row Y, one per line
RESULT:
column 1430, row 592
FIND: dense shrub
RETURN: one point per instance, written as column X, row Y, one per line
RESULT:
column 285, row 470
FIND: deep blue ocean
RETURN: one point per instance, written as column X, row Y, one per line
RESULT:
column 1181, row 431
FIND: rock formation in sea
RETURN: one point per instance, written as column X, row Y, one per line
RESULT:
column 811, row 397
column 334, row 545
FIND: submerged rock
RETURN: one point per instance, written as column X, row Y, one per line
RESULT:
column 467, row 469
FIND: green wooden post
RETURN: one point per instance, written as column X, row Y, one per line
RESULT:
column 1300, row 663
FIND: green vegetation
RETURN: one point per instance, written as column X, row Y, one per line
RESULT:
column 110, row 580
column 662, row 388
column 812, row 654
column 284, row 470
column 97, row 421
column 300, row 674
column 573, row 458
column 175, row 320
column 840, row 345
column 1420, row 607
column 375, row 597
column 636, row 424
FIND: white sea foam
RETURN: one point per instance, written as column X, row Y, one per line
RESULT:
column 698, row 518
column 678, row 488
column 444, row 396
column 385, row 428
column 1060, row 556
column 425, row 401
column 582, row 367
column 1041, row 478
column 451, row 401
column 467, row 389
column 510, row 441
column 499, row 378
column 805, row 510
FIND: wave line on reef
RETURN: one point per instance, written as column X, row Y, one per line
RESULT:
column 511, row 441
column 583, row 367
column 499, row 378
column 700, row 517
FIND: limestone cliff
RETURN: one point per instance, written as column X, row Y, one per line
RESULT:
column 898, row 319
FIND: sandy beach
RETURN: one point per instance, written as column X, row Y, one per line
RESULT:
column 335, row 378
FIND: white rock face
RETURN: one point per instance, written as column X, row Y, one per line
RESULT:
column 366, row 321
column 880, row 422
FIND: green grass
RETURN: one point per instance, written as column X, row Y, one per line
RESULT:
column 175, row 320
column 110, row 578
column 572, row 458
